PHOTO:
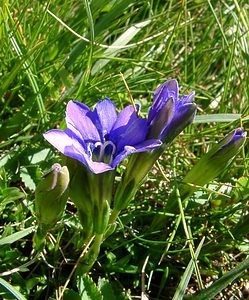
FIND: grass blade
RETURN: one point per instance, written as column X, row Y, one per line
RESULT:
column 219, row 118
column 187, row 274
column 9, row 290
column 223, row 282
column 16, row 236
column 121, row 41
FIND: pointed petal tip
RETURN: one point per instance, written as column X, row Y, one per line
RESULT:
column 172, row 84
column 240, row 131
column 48, row 134
column 107, row 99
column 74, row 104
column 105, row 116
column 191, row 95
column 105, row 104
column 188, row 98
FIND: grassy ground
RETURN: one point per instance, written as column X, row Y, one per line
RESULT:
column 59, row 50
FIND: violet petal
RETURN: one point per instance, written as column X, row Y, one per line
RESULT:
column 78, row 118
column 184, row 115
column 141, row 147
column 134, row 133
column 61, row 140
column 105, row 115
column 126, row 117
column 161, row 95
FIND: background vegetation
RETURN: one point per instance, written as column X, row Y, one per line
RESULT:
column 59, row 50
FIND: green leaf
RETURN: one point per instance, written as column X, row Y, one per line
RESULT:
column 88, row 289
column 223, row 282
column 219, row 118
column 10, row 195
column 187, row 275
column 242, row 188
column 123, row 40
column 106, row 289
column 26, row 178
column 9, row 291
column 16, row 236
column 3, row 179
column 38, row 156
column 71, row 295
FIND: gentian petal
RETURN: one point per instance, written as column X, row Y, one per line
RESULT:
column 184, row 115
column 233, row 138
column 134, row 133
column 126, row 117
column 68, row 144
column 105, row 115
column 168, row 89
column 141, row 147
column 187, row 98
column 96, row 167
column 163, row 117
column 61, row 140
column 79, row 120
column 161, row 95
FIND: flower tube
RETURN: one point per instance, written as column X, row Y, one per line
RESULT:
column 169, row 115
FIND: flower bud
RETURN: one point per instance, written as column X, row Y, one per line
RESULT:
column 216, row 160
column 209, row 166
column 168, row 116
column 183, row 117
column 50, row 200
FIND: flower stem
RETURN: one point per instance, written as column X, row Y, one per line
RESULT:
column 138, row 167
column 113, row 216
column 91, row 256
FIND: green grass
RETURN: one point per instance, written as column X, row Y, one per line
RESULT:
column 55, row 51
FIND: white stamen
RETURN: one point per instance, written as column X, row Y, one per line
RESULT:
column 113, row 146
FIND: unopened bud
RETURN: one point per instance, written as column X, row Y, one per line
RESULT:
column 217, row 159
column 50, row 200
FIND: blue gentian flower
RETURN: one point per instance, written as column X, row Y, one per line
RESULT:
column 101, row 139
column 169, row 115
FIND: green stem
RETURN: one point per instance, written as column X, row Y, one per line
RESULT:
column 39, row 239
column 90, row 258
column 137, row 169
column 113, row 216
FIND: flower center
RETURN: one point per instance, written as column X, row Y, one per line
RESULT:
column 102, row 152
